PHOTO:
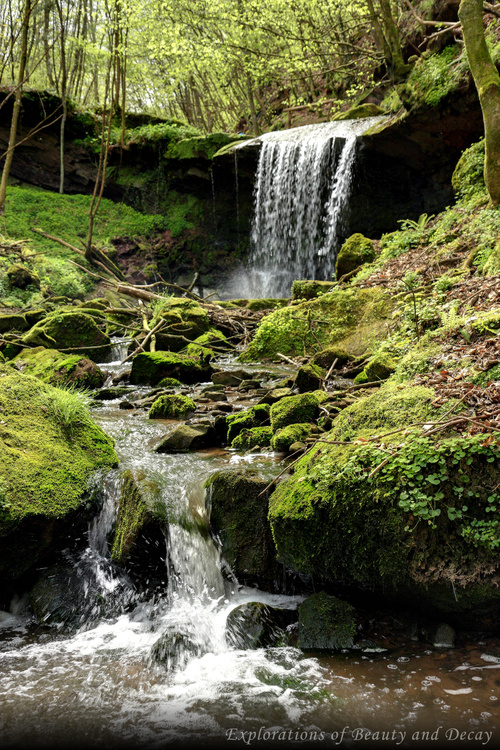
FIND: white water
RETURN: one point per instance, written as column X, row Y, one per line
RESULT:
column 99, row 687
column 302, row 190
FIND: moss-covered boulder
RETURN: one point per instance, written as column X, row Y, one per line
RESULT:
column 294, row 410
column 172, row 406
column 56, row 368
column 355, row 252
column 326, row 623
column 326, row 357
column 250, row 438
column 49, row 448
column 287, row 436
column 381, row 367
column 138, row 541
column 351, row 318
column 309, row 378
column 368, row 109
column 237, row 507
column 19, row 276
column 255, row 416
column 71, row 332
column 468, row 177
column 184, row 319
column 310, row 289
column 13, row 322
column 379, row 514
column 149, row 368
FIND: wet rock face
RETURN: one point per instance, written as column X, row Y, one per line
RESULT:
column 258, row 625
column 237, row 507
column 326, row 622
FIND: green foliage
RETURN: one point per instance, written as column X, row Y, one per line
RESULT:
column 468, row 177
column 433, row 77
column 66, row 216
column 68, row 407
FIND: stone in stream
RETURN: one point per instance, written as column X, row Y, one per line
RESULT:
column 172, row 406
column 237, row 506
column 186, row 437
column 174, row 650
column 257, row 625
column 444, row 636
column 109, row 394
column 274, row 395
column 151, row 367
column 255, row 416
column 294, row 409
column 72, row 332
column 309, row 378
column 326, row 623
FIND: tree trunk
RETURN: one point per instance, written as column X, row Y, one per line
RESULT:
column 17, row 104
column 487, row 82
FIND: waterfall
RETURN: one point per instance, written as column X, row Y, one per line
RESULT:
column 301, row 195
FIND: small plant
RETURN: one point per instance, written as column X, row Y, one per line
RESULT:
column 418, row 226
column 68, row 407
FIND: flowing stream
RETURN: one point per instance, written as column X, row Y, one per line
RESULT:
column 99, row 687
column 302, row 191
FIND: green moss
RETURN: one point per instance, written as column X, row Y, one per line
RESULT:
column 468, row 177
column 326, row 622
column 379, row 367
column 151, row 367
column 356, row 251
column 140, row 505
column 351, row 318
column 266, row 304
column 183, row 317
column 287, row 436
column 60, row 369
column 250, row 437
column 200, row 146
column 169, row 383
column 13, row 322
column 492, row 265
column 357, row 113
column 174, row 406
column 66, row 216
column 255, row 416
column 339, row 519
column 44, row 462
column 309, row 378
column 294, row 410
column 307, row 289
column 70, row 331
column 433, row 77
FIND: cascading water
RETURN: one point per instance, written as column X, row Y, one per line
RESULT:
column 302, row 191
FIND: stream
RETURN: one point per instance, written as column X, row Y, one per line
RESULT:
column 98, row 686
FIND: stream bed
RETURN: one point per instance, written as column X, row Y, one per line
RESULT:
column 99, row 687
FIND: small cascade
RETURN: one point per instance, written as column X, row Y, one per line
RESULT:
column 301, row 197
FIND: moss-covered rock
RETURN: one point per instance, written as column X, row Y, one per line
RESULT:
column 49, row 447
column 468, row 176
column 172, row 406
column 326, row 357
column 60, row 369
column 294, row 410
column 151, row 367
column 13, row 322
column 183, row 317
column 71, row 332
column 138, row 541
column 326, row 623
column 255, row 416
column 351, row 318
column 355, row 252
column 369, row 109
column 309, row 289
column 350, row 512
column 309, row 378
column 379, row 368
column 237, row 506
column 287, row 436
column 169, row 383
column 19, row 276
column 492, row 264
column 249, row 438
